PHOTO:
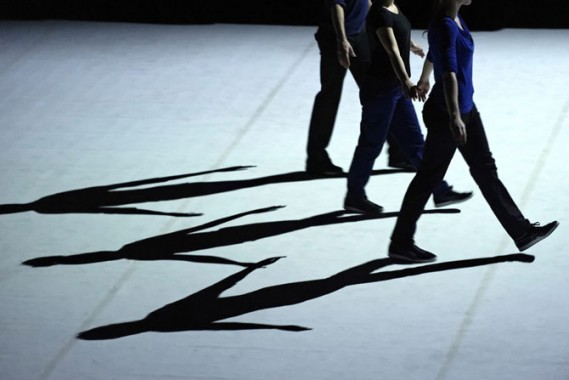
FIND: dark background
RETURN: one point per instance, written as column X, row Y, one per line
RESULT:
column 481, row 15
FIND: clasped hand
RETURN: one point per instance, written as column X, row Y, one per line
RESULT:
column 416, row 92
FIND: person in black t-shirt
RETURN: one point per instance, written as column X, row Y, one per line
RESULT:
column 343, row 46
column 387, row 110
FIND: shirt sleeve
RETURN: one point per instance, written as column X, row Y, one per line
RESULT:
column 378, row 18
column 447, row 45
column 330, row 3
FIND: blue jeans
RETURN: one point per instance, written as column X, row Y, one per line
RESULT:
column 385, row 112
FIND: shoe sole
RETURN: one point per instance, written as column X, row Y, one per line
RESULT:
column 447, row 203
column 538, row 239
column 405, row 259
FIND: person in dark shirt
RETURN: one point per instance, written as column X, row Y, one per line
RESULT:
column 453, row 122
column 387, row 110
column 343, row 46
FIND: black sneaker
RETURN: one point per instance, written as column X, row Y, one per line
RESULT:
column 410, row 254
column 361, row 205
column 451, row 197
column 323, row 168
column 535, row 234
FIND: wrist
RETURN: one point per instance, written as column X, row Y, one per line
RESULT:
column 455, row 115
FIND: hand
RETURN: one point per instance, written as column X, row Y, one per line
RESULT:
column 458, row 130
column 417, row 50
column 236, row 168
column 423, row 87
column 410, row 90
column 269, row 261
column 345, row 51
column 266, row 209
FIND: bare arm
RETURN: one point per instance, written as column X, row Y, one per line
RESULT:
column 417, row 49
column 424, row 84
column 451, row 96
column 345, row 50
column 387, row 39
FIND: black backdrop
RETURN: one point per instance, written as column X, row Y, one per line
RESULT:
column 481, row 15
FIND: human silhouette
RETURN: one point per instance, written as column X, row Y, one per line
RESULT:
column 206, row 309
column 169, row 246
column 105, row 199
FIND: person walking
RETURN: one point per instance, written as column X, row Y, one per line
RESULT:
column 387, row 110
column 453, row 122
column 343, row 45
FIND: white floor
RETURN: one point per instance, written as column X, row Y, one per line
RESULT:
column 91, row 104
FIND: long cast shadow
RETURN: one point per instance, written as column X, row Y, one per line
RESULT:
column 205, row 309
column 169, row 246
column 105, row 199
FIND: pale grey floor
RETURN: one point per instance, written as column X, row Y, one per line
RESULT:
column 93, row 104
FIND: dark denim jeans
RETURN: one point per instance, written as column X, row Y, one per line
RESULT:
column 385, row 112
column 439, row 150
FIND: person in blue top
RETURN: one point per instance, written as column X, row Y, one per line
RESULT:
column 387, row 110
column 453, row 122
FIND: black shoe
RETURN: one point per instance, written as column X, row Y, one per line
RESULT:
column 323, row 168
column 451, row 197
column 535, row 234
column 361, row 205
column 405, row 165
column 410, row 254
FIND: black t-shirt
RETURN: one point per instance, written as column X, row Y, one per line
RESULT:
column 379, row 17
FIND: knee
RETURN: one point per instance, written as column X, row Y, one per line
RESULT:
column 484, row 168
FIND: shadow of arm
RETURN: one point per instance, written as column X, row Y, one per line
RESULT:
column 139, row 211
column 231, row 326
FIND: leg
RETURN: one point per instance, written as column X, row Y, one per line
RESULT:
column 476, row 153
column 326, row 101
column 406, row 135
column 438, row 152
column 396, row 158
column 377, row 113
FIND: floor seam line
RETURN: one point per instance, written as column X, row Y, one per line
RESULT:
column 490, row 272
column 126, row 275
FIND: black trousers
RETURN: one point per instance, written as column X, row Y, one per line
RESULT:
column 327, row 100
column 439, row 150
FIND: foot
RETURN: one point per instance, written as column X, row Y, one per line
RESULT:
column 451, row 197
column 410, row 254
column 323, row 168
column 535, row 234
column 361, row 205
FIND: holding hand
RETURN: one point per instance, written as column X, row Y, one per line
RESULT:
column 423, row 87
column 410, row 90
